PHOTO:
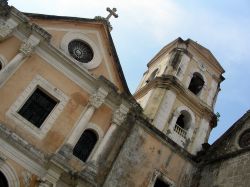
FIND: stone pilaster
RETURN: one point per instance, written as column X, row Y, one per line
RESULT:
column 95, row 101
column 25, row 50
column 118, row 118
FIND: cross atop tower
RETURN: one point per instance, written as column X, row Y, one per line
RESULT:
column 111, row 13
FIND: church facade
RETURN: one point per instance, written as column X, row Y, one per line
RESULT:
column 67, row 117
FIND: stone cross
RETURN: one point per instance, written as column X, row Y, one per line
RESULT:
column 111, row 13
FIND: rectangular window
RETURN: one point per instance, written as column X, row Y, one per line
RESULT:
column 37, row 107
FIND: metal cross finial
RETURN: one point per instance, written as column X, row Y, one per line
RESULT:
column 111, row 13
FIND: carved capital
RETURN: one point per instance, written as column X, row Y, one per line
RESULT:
column 28, row 46
column 97, row 98
column 6, row 28
column 119, row 115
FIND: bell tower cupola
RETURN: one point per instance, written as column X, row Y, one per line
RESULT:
column 179, row 90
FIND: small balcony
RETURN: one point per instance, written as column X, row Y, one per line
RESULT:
column 179, row 130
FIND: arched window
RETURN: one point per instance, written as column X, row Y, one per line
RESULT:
column 183, row 123
column 152, row 76
column 85, row 145
column 160, row 183
column 3, row 180
column 196, row 83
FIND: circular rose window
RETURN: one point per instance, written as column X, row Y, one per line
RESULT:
column 244, row 140
column 80, row 51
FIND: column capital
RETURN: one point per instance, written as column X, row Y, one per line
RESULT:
column 28, row 46
column 98, row 98
column 6, row 28
column 120, row 114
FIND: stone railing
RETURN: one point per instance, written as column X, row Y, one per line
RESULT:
column 182, row 132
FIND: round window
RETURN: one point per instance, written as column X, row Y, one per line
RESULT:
column 244, row 140
column 80, row 51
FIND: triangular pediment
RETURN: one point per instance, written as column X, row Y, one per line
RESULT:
column 94, row 32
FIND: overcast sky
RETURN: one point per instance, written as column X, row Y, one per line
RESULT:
column 145, row 26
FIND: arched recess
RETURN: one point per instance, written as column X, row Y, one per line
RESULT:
column 99, row 133
column 196, row 84
column 10, row 174
column 186, row 129
column 85, row 145
column 201, row 75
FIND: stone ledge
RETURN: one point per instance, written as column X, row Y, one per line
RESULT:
column 22, row 145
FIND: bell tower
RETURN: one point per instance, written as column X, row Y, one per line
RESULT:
column 179, row 90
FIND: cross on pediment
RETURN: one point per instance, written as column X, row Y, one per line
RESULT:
column 111, row 13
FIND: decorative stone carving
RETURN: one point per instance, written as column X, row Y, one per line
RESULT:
column 119, row 115
column 5, row 30
column 26, row 178
column 26, row 48
column 4, row 7
column 98, row 98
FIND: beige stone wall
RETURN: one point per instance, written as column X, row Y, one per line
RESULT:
column 63, row 125
column 9, row 48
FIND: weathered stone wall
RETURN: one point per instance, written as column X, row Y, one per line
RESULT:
column 146, row 155
column 233, row 172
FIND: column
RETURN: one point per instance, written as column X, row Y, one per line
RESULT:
column 176, row 114
column 118, row 118
column 165, row 109
column 6, row 29
column 95, row 102
column 25, row 51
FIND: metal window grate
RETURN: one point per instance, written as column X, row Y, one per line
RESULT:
column 37, row 107
column 80, row 51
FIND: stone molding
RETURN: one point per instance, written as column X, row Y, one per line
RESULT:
column 171, row 83
column 22, row 144
column 120, row 115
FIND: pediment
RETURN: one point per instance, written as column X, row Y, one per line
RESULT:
column 71, row 35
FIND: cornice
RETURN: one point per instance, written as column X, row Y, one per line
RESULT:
column 22, row 145
column 143, row 121
column 170, row 82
